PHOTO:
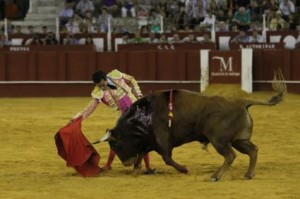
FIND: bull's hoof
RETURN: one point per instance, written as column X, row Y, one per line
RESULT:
column 215, row 179
column 183, row 170
column 136, row 172
column 248, row 177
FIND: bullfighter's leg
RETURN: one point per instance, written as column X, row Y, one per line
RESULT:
column 149, row 170
column 247, row 147
column 110, row 159
column 227, row 152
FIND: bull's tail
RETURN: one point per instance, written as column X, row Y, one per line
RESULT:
column 278, row 86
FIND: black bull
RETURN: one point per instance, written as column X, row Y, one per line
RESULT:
column 225, row 123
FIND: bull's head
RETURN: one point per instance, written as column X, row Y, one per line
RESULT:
column 127, row 148
column 132, row 137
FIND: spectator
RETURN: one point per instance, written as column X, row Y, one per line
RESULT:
column 50, row 39
column 98, row 5
column 206, row 39
column 175, row 39
column 255, row 10
column 126, row 38
column 84, row 6
column 154, row 21
column 138, row 38
column 70, row 40
column 256, row 37
column 242, row 37
column 181, row 20
column 270, row 7
column 103, row 20
column 89, row 40
column 35, row 40
column 89, row 22
column 145, row 29
column 190, row 39
column 222, row 5
column 18, row 29
column 141, row 12
column 242, row 3
column 277, row 22
column 221, row 26
column 152, row 38
column 221, row 16
column 293, row 21
column 84, row 29
column 181, row 4
column 196, row 9
column 112, row 7
column 287, row 8
column 173, row 9
column 63, row 30
column 65, row 14
column 72, row 3
column 242, row 18
column 163, row 38
column 208, row 21
column 128, row 6
column 213, row 7
column 234, row 27
column 255, row 25
column 30, row 30
column 44, row 30
column 72, row 26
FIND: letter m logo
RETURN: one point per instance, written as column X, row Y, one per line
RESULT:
column 223, row 65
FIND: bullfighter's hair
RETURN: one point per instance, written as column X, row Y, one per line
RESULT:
column 98, row 76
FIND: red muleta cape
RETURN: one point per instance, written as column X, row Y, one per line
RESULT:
column 76, row 150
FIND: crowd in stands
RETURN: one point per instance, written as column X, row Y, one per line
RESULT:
column 243, row 16
column 182, row 15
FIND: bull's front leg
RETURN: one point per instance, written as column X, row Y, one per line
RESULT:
column 137, row 167
column 169, row 161
column 164, row 147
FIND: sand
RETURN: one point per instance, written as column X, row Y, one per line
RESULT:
column 31, row 168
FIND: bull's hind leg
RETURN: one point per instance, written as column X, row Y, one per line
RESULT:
column 247, row 147
column 227, row 152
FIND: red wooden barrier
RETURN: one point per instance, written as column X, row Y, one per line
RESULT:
column 149, row 67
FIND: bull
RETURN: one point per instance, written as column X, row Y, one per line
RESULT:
column 223, row 122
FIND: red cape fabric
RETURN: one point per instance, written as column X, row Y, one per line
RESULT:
column 76, row 150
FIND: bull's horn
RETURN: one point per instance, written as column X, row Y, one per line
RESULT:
column 104, row 138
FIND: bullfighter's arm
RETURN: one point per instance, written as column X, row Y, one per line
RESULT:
column 88, row 110
column 133, row 84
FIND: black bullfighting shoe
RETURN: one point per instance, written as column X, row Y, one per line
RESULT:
column 150, row 171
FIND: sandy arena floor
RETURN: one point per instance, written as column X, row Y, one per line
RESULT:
column 31, row 168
